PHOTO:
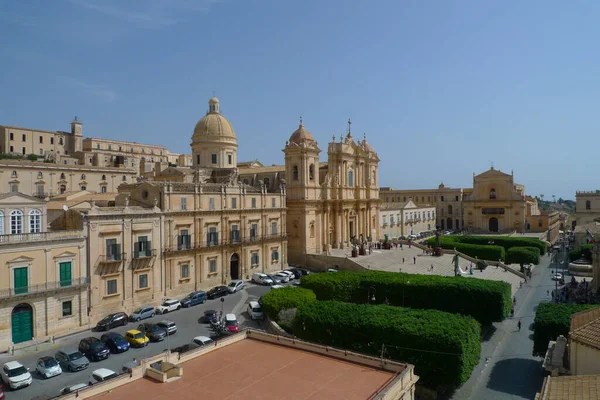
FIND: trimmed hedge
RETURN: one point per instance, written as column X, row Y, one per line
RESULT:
column 494, row 253
column 523, row 255
column 285, row 298
column 584, row 250
column 486, row 301
column 444, row 347
column 506, row 242
column 552, row 320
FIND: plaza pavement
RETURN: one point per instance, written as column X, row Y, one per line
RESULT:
column 417, row 262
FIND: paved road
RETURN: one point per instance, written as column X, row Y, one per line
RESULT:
column 187, row 328
column 507, row 370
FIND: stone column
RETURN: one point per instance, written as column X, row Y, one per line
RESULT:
column 338, row 229
column 344, row 223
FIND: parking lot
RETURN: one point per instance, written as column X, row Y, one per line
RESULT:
column 188, row 327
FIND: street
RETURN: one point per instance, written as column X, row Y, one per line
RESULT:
column 507, row 370
column 188, row 327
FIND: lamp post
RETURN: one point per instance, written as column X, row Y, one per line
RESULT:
column 222, row 307
column 370, row 297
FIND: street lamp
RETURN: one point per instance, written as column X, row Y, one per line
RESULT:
column 222, row 306
column 370, row 297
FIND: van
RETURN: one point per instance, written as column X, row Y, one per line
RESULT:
column 261, row 279
column 255, row 310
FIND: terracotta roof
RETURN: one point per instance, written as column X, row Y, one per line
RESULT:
column 582, row 387
column 585, row 327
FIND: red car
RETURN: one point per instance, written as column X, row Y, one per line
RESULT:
column 231, row 323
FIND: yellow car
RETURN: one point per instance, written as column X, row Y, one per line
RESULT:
column 136, row 338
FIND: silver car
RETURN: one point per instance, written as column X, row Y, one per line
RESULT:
column 48, row 367
column 72, row 359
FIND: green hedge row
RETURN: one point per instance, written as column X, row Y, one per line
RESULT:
column 285, row 298
column 494, row 253
column 481, row 242
column 552, row 320
column 584, row 250
column 444, row 347
column 451, row 294
column 523, row 255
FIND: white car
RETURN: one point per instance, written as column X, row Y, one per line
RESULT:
column 284, row 277
column 48, row 367
column 103, row 374
column 557, row 277
column 235, row 286
column 168, row 306
column 261, row 279
column 15, row 375
column 202, row 340
column 290, row 275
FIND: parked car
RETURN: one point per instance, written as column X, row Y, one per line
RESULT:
column 218, row 291
column 72, row 359
column 15, row 375
column 290, row 274
column 255, row 310
column 115, row 342
column 94, row 349
column 294, row 271
column 112, row 321
column 209, row 316
column 103, row 374
column 168, row 306
column 74, row 388
column 184, row 348
column 194, row 298
column 277, row 287
column 168, row 326
column 283, row 277
column 235, row 286
column 130, row 365
column 142, row 313
column 231, row 323
column 202, row 340
column 277, row 280
column 261, row 279
column 153, row 331
column 48, row 367
column 136, row 338
column 557, row 277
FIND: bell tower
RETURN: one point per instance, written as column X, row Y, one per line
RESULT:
column 77, row 135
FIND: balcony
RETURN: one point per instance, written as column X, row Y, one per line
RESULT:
column 40, row 237
column 143, row 250
column 44, row 288
column 385, row 224
column 41, row 195
column 212, row 239
column 184, row 242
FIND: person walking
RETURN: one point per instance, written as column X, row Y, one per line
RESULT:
column 415, row 259
column 402, row 260
column 519, row 325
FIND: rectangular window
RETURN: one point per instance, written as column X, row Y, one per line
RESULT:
column 274, row 228
column 102, row 189
column 254, row 259
column 442, row 198
column 234, row 202
column 51, row 140
column 274, row 255
column 254, row 202
column 211, row 203
column 185, row 271
column 12, row 149
column 12, row 136
column 212, row 266
column 213, row 158
column 184, row 203
column 41, row 139
column 184, row 240
column 65, row 273
column 23, row 151
column 98, row 146
column 14, row 188
column 456, row 198
column 21, row 280
column 24, row 137
column 273, row 202
column 142, row 281
column 111, row 287
column 229, row 159
column 235, row 234
column 253, row 231
column 67, row 308
column 113, row 250
column 142, row 247
column 212, row 238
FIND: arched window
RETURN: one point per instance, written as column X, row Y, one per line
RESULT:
column 588, row 205
column 63, row 189
column 16, row 222
column 14, row 174
column 449, row 209
column 492, row 194
column 83, row 177
column 266, row 181
column 295, row 173
column 35, row 221
column 312, row 229
column 311, row 172
column 350, row 178
column 124, row 178
column 62, row 175
column 103, row 177
column 40, row 175
column 1, row 223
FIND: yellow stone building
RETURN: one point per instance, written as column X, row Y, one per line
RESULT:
column 399, row 220
column 44, row 289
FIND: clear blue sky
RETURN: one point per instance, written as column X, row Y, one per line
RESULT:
column 441, row 88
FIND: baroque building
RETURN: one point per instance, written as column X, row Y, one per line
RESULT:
column 330, row 204
column 400, row 220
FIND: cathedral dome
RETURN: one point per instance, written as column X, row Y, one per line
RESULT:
column 301, row 135
column 213, row 126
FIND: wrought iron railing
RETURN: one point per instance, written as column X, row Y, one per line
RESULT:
column 216, row 241
column 44, row 287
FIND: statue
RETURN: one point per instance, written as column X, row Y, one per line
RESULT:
column 336, row 178
column 456, row 266
column 126, row 201
column 155, row 201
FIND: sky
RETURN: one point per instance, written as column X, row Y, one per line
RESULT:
column 441, row 89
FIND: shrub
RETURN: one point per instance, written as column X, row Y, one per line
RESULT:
column 523, row 255
column 494, row 253
column 486, row 301
column 32, row 157
column 552, row 320
column 504, row 241
column 285, row 298
column 444, row 347
column 585, row 251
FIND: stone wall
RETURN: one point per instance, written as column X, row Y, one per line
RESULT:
column 321, row 263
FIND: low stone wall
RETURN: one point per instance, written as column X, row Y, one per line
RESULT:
column 321, row 263
column 273, row 328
